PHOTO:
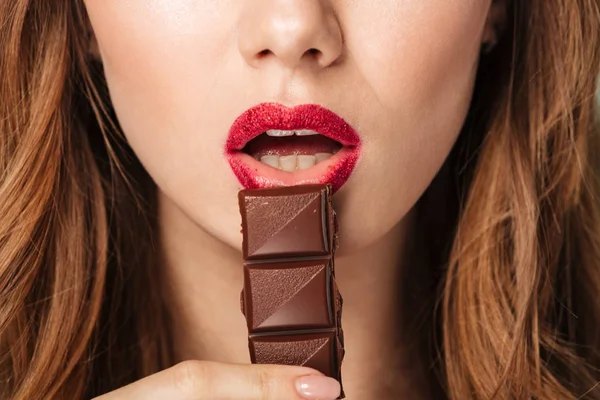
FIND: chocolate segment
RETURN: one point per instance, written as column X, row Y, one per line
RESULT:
column 290, row 299
column 314, row 350
column 285, row 223
column 289, row 296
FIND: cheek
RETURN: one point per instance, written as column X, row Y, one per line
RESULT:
column 425, row 54
column 153, row 61
column 420, row 74
column 163, row 61
column 408, row 49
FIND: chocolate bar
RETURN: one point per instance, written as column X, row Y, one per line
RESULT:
column 291, row 302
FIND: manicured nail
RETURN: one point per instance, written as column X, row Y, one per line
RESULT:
column 316, row 387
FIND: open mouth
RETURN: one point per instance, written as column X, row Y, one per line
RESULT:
column 271, row 145
column 289, row 150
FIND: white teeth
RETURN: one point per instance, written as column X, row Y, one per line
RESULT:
column 305, row 162
column 273, row 161
column 288, row 163
column 279, row 133
column 294, row 162
column 322, row 156
column 306, row 132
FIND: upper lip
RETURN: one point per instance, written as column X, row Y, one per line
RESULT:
column 265, row 116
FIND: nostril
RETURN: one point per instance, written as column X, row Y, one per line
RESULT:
column 312, row 52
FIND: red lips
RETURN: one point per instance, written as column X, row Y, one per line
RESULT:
column 253, row 174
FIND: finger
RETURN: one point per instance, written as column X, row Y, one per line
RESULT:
column 201, row 380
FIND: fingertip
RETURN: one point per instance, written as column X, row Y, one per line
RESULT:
column 318, row 387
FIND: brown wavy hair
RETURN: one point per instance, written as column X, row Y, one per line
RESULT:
column 516, row 264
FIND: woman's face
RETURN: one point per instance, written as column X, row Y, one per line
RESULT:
column 399, row 72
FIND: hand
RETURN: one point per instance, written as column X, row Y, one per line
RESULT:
column 202, row 380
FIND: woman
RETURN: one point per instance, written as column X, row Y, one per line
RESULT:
column 469, row 259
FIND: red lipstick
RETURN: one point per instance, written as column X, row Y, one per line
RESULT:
column 251, row 127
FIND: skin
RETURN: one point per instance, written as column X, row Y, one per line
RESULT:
column 181, row 71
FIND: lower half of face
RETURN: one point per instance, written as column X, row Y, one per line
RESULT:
column 214, row 96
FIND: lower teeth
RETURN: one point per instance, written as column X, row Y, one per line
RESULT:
column 294, row 162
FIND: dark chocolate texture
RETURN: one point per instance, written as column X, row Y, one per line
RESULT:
column 285, row 223
column 290, row 299
column 298, row 300
column 314, row 350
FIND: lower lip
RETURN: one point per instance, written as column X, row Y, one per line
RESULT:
column 253, row 174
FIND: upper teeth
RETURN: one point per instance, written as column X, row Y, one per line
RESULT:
column 298, row 132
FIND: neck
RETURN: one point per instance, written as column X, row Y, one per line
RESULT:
column 203, row 283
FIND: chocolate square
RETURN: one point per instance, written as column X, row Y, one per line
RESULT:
column 285, row 222
column 313, row 350
column 288, row 296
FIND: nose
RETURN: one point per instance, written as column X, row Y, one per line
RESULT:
column 293, row 32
